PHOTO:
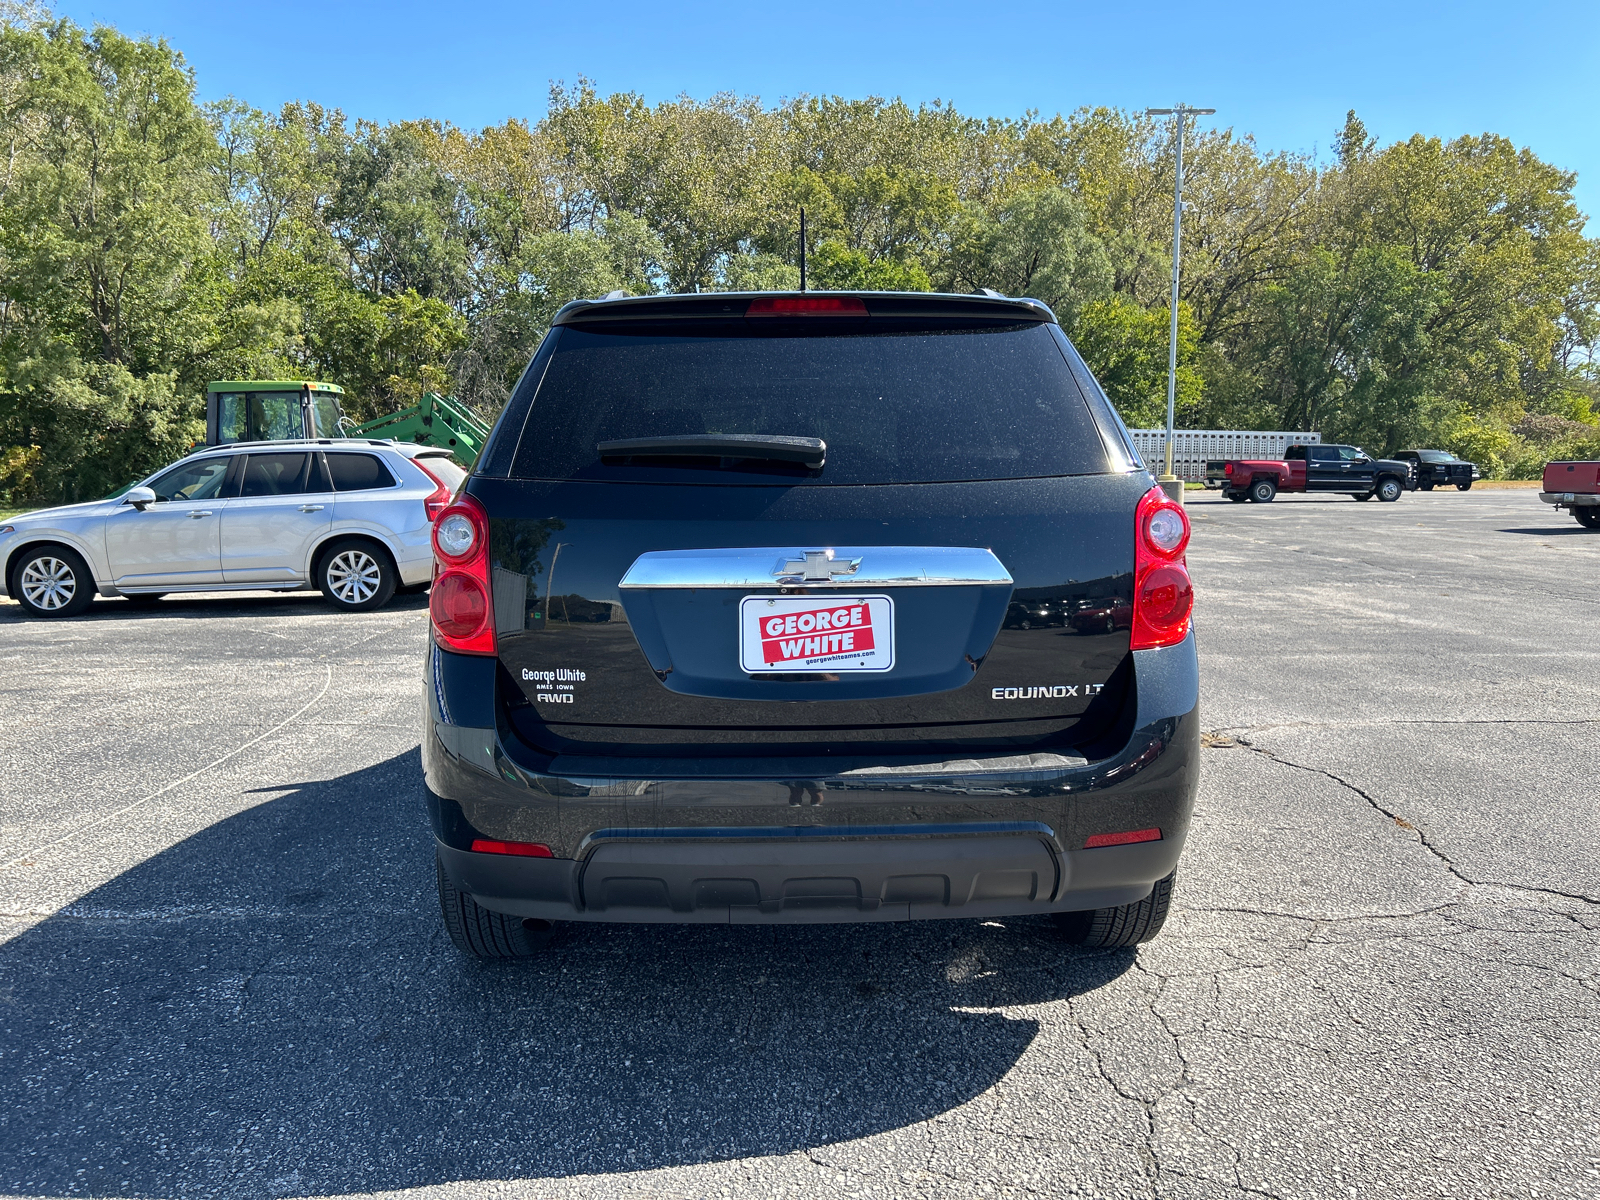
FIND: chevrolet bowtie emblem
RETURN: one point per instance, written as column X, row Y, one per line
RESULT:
column 819, row 567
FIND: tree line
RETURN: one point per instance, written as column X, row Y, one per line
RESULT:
column 1426, row 292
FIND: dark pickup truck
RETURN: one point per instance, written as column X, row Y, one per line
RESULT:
column 1319, row 468
column 1440, row 468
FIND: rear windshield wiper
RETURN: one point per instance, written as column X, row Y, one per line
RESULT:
column 809, row 452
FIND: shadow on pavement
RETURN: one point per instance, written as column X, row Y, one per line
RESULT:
column 271, row 1007
column 1555, row 531
column 180, row 606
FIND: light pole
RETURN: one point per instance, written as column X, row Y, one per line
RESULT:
column 1170, row 482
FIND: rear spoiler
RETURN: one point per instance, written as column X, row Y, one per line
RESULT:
column 936, row 308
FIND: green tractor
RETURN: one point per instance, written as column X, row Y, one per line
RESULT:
column 258, row 410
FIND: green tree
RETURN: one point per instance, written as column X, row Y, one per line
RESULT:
column 103, row 228
column 1037, row 244
column 1127, row 348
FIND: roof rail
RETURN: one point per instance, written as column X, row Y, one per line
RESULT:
column 321, row 441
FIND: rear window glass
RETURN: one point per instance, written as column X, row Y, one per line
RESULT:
column 903, row 407
column 357, row 472
column 443, row 468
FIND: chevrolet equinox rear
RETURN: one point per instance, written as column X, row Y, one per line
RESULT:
column 720, row 629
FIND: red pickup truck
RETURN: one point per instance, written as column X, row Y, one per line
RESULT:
column 1349, row 470
column 1574, row 486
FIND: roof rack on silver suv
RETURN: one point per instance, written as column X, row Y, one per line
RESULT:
column 307, row 442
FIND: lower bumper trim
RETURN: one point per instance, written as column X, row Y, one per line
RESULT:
column 812, row 882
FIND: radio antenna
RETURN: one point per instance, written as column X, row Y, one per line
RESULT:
column 802, row 249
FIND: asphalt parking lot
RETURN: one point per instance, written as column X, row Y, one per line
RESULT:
column 223, row 972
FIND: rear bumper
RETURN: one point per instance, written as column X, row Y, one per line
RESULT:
column 746, row 878
column 1570, row 499
column 798, row 841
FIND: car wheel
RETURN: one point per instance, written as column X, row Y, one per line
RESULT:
column 355, row 575
column 1362, row 496
column 1588, row 517
column 1236, row 497
column 1262, row 491
column 1464, row 487
column 52, row 581
column 143, row 599
column 482, row 933
column 1426, row 487
column 1389, row 489
column 1124, row 925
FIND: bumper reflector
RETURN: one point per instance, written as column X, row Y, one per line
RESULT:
column 1115, row 839
column 524, row 849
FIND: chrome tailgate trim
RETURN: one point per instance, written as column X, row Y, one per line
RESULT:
column 808, row 567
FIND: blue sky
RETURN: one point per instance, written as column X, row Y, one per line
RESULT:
column 1285, row 72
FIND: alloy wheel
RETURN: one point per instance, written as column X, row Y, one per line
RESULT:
column 353, row 576
column 48, row 583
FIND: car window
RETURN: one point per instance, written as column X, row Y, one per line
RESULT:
column 1294, row 454
column 1324, row 453
column 443, row 468
column 358, row 472
column 274, row 475
column 198, row 480
column 1435, row 456
column 1351, row 453
column 894, row 407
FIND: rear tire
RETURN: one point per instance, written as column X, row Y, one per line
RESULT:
column 1262, row 491
column 1236, row 497
column 355, row 575
column 1362, row 496
column 482, row 933
column 1124, row 925
column 1389, row 489
column 1426, row 487
column 1589, row 516
column 1464, row 487
column 52, row 581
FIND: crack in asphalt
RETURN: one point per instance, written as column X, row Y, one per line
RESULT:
column 1421, row 835
column 1221, row 740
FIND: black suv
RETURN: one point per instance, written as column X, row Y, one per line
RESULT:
column 722, row 629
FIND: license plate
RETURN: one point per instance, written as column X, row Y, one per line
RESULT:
column 816, row 633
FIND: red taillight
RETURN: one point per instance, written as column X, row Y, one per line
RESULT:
column 1115, row 839
column 1163, row 596
column 1227, row 468
column 461, row 603
column 439, row 499
column 807, row 306
column 520, row 849
column 458, row 605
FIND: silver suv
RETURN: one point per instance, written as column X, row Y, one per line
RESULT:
column 352, row 518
